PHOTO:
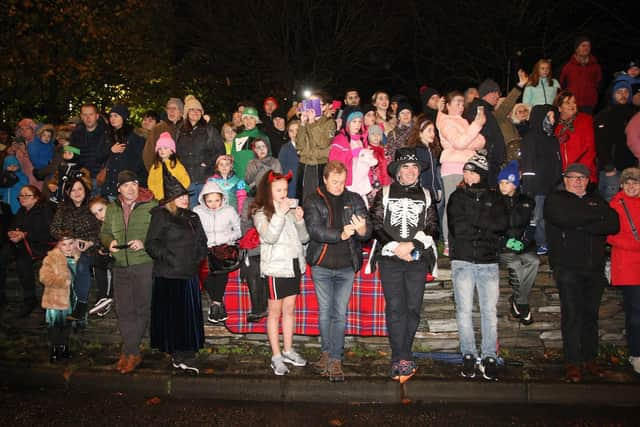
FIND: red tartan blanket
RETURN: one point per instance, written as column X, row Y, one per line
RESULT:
column 365, row 314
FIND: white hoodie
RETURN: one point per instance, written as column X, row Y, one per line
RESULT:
column 222, row 225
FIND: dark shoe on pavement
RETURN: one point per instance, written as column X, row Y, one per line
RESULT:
column 187, row 366
column 468, row 366
column 514, row 308
column 252, row 317
column 525, row 317
column 573, row 374
column 592, row 368
column 489, row 368
column 542, row 249
column 53, row 354
column 335, row 371
column 395, row 371
column 222, row 314
column 78, row 312
column 214, row 313
column 63, row 352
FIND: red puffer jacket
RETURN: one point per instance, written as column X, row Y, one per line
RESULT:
column 625, row 249
column 583, row 80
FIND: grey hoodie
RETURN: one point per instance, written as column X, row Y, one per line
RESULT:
column 222, row 225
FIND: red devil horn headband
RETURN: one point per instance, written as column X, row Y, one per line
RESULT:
column 277, row 176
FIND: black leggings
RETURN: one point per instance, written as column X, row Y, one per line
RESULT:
column 215, row 284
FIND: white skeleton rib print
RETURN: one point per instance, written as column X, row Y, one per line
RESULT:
column 405, row 213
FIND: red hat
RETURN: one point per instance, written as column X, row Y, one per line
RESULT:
column 272, row 99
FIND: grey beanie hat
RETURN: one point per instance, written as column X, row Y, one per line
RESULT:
column 488, row 86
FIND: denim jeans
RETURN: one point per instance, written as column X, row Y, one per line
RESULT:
column 466, row 277
column 541, row 236
column 82, row 281
column 631, row 300
column 333, row 290
column 194, row 190
column 403, row 287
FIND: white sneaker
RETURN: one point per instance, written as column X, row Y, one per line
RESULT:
column 635, row 363
column 278, row 366
column 293, row 358
column 102, row 307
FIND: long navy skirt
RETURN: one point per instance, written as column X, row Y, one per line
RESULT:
column 176, row 315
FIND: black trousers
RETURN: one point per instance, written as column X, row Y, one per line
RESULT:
column 403, row 287
column 24, row 268
column 580, row 295
column 216, row 284
column 257, row 285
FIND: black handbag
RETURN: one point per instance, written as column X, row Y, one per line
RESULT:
column 225, row 258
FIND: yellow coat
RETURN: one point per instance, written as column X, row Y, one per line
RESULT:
column 155, row 184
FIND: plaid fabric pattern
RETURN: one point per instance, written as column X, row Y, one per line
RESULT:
column 365, row 314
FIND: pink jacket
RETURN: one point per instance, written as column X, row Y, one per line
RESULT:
column 633, row 135
column 341, row 150
column 459, row 141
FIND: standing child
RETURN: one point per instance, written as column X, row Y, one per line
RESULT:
column 233, row 186
column 102, row 264
column 221, row 224
column 14, row 179
column 67, row 170
column 379, row 176
column 518, row 248
column 282, row 232
column 289, row 159
column 57, row 275
column 258, row 167
column 166, row 153
column 228, row 134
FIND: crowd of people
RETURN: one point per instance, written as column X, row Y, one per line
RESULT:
column 156, row 212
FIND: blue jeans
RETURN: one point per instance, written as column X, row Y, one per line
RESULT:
column 541, row 236
column 194, row 190
column 82, row 281
column 333, row 290
column 466, row 277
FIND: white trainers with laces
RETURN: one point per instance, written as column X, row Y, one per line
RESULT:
column 635, row 363
column 278, row 366
column 293, row 358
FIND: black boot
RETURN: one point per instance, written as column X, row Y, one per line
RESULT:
column 53, row 354
column 79, row 311
column 27, row 307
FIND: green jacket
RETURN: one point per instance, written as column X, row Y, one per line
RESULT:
column 314, row 141
column 114, row 228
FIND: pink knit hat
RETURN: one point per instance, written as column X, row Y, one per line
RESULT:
column 165, row 141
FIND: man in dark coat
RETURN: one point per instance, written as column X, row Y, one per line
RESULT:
column 578, row 222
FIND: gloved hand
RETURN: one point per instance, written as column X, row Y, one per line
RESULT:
column 515, row 244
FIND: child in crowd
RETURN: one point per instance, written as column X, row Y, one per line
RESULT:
column 57, row 275
column 378, row 176
column 289, row 159
column 166, row 153
column 477, row 218
column 41, row 148
column 518, row 248
column 67, row 170
column 233, row 186
column 261, row 164
column 228, row 134
column 221, row 224
column 102, row 264
column 13, row 179
column 282, row 233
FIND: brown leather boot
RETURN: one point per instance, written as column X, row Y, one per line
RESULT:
column 322, row 365
column 133, row 360
column 573, row 374
column 122, row 362
column 592, row 368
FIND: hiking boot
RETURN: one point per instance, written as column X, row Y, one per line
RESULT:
column 592, row 368
column 133, row 361
column 525, row 317
column 514, row 308
column 322, row 365
column 489, row 368
column 407, row 370
column 122, row 362
column 278, row 366
column 635, row 363
column 78, row 312
column 335, row 370
column 468, row 366
column 395, row 371
column 293, row 358
column 27, row 307
column 102, row 307
column 252, row 317
column 573, row 374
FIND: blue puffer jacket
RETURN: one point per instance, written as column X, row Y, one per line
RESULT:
column 9, row 194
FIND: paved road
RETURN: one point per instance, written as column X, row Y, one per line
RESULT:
column 55, row 408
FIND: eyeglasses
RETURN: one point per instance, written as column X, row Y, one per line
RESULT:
column 24, row 196
column 576, row 177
